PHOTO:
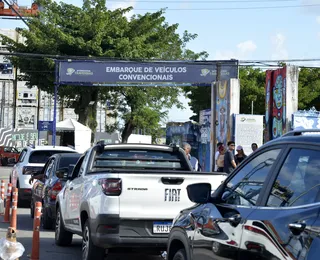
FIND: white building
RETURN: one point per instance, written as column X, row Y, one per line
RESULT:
column 23, row 107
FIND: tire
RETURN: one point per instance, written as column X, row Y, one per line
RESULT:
column 46, row 221
column 89, row 250
column 21, row 202
column 32, row 209
column 62, row 237
column 180, row 255
column 4, row 161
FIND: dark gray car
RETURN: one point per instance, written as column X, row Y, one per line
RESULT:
column 54, row 176
column 268, row 208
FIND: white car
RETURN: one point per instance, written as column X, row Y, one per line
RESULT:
column 125, row 196
column 31, row 160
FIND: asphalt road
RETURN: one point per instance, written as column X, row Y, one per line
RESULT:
column 48, row 249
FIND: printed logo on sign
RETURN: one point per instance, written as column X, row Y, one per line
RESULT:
column 243, row 119
column 204, row 72
column 70, row 71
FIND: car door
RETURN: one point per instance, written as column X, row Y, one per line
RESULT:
column 281, row 228
column 48, row 178
column 73, row 194
column 18, row 167
column 39, row 185
column 219, row 228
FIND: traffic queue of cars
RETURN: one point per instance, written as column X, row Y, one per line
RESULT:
column 148, row 198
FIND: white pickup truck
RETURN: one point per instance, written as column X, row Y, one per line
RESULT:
column 125, row 196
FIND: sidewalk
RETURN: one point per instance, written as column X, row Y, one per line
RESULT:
column 48, row 249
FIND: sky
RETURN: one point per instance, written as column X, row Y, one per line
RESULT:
column 239, row 29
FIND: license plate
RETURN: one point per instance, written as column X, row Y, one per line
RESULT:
column 161, row 227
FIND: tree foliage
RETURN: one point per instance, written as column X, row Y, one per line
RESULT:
column 252, row 88
column 309, row 88
column 93, row 30
column 252, row 83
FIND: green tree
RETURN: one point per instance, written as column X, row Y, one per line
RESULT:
column 93, row 30
column 309, row 88
column 252, row 88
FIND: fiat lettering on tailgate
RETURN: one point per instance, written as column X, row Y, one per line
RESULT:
column 172, row 195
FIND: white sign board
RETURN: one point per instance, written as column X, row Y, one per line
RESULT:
column 248, row 130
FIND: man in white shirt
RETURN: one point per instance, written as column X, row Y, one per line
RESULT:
column 216, row 156
column 194, row 161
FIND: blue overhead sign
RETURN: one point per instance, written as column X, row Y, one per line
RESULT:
column 116, row 72
column 45, row 125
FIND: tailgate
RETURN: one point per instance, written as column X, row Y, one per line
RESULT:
column 159, row 196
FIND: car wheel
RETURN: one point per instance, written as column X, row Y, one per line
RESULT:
column 45, row 219
column 4, row 161
column 21, row 202
column 216, row 248
column 32, row 209
column 62, row 236
column 180, row 255
column 89, row 250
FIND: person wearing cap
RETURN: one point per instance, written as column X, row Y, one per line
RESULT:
column 240, row 156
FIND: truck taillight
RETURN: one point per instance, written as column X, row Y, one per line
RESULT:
column 54, row 191
column 111, row 186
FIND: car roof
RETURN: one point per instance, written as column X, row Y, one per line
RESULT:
column 50, row 148
column 138, row 146
column 67, row 155
column 305, row 136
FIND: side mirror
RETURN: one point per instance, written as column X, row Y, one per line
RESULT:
column 70, row 171
column 62, row 173
column 199, row 192
column 36, row 172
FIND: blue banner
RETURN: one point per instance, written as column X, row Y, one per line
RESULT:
column 116, row 72
column 45, row 125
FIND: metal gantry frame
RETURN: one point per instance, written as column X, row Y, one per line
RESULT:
column 217, row 66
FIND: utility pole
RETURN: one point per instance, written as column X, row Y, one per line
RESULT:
column 3, row 103
column 252, row 107
column 15, row 90
column 214, row 87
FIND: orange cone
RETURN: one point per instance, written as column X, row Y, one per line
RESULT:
column 36, row 232
column 13, row 220
column 6, row 218
column 2, row 189
column 2, row 196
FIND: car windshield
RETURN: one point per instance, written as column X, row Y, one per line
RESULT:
column 67, row 160
column 43, row 155
column 138, row 159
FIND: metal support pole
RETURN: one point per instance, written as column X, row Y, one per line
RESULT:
column 251, row 107
column 56, row 86
column 214, row 87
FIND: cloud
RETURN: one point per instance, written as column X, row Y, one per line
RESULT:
column 311, row 9
column 244, row 50
column 318, row 19
column 122, row 5
column 247, row 46
column 278, row 46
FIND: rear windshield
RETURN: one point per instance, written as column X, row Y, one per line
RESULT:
column 43, row 156
column 138, row 159
column 66, row 161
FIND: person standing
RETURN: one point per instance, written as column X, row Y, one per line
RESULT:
column 193, row 160
column 254, row 147
column 229, row 160
column 216, row 156
column 220, row 159
column 240, row 156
